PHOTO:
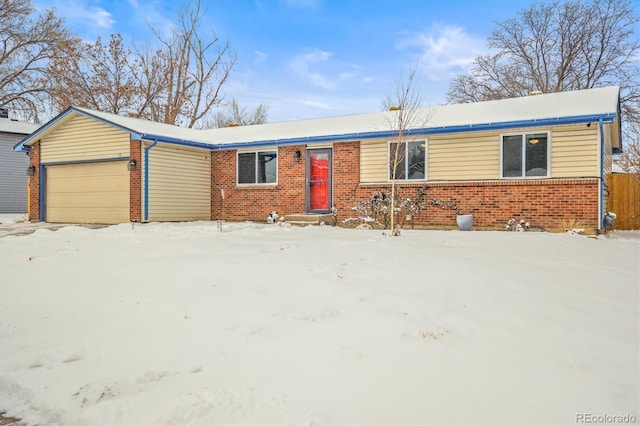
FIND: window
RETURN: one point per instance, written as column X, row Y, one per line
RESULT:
column 525, row 155
column 409, row 160
column 257, row 167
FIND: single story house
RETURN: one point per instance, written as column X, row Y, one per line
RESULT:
column 13, row 165
column 543, row 158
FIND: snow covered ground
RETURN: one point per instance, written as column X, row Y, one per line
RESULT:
column 182, row 324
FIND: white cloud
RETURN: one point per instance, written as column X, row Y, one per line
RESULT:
column 302, row 64
column 316, row 68
column 315, row 104
column 444, row 51
column 148, row 14
column 81, row 11
column 101, row 17
column 259, row 57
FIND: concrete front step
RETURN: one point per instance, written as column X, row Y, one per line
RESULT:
column 305, row 219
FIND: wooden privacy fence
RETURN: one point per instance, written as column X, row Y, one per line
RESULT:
column 624, row 200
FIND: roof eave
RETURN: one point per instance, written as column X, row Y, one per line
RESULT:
column 606, row 118
column 21, row 146
column 175, row 141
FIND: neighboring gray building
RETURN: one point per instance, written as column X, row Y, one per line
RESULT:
column 13, row 165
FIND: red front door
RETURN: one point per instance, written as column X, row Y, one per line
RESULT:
column 319, row 180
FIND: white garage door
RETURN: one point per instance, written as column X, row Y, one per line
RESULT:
column 87, row 193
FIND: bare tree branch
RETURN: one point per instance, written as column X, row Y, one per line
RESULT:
column 407, row 113
column 96, row 76
column 27, row 44
column 553, row 47
column 234, row 114
column 195, row 69
column 560, row 46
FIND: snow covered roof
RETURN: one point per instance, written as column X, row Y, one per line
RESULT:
column 8, row 125
column 146, row 127
column 514, row 112
column 581, row 106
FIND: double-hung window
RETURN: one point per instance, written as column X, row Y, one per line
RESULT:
column 407, row 160
column 257, row 167
column 525, row 155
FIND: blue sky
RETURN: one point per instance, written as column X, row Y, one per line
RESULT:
column 317, row 58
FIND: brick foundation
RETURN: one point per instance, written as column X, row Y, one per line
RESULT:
column 34, row 183
column 543, row 203
column 135, row 183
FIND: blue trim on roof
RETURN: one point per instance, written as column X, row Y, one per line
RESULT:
column 183, row 142
column 607, row 118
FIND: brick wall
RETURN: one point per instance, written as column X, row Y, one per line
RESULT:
column 346, row 175
column 542, row 202
column 135, row 183
column 34, row 183
column 255, row 202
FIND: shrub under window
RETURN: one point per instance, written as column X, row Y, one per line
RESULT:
column 409, row 158
column 525, row 155
column 257, row 167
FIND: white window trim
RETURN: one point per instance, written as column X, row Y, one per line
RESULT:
column 524, row 164
column 255, row 152
column 426, row 157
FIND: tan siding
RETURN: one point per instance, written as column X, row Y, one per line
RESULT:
column 81, row 138
column 464, row 156
column 179, row 184
column 476, row 155
column 574, row 151
column 373, row 160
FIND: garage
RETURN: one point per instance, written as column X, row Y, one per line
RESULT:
column 95, row 192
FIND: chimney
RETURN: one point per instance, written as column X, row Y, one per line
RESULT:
column 4, row 113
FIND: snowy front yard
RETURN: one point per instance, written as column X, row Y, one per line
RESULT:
column 182, row 324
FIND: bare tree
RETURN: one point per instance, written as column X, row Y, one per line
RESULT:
column 27, row 44
column 177, row 81
column 558, row 46
column 96, row 76
column 193, row 70
column 629, row 159
column 233, row 113
column 406, row 113
column 561, row 46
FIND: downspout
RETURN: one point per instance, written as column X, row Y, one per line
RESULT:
column 146, row 178
column 600, row 221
